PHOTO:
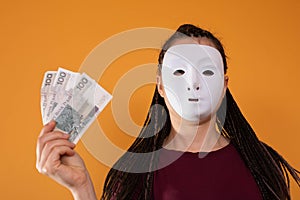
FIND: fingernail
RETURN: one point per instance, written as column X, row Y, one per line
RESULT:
column 51, row 123
column 66, row 135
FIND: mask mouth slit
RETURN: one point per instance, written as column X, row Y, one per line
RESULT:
column 193, row 99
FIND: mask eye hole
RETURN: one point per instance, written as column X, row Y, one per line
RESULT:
column 208, row 73
column 179, row 72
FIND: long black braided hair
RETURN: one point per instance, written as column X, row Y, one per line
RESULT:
column 132, row 175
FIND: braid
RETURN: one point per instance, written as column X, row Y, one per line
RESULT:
column 268, row 168
column 132, row 175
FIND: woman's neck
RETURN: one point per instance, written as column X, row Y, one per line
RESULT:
column 194, row 137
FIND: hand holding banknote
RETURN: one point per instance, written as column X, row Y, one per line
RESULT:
column 57, row 159
column 73, row 100
column 70, row 102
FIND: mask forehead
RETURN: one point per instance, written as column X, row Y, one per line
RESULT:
column 195, row 55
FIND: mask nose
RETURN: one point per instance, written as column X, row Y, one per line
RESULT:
column 193, row 87
column 194, row 81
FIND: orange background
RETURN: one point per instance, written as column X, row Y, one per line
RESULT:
column 261, row 39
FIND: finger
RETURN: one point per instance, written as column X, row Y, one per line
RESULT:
column 53, row 162
column 48, row 142
column 48, row 150
column 53, row 144
column 55, row 135
column 43, row 139
column 48, row 127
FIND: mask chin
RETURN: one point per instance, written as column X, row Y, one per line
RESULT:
column 197, row 113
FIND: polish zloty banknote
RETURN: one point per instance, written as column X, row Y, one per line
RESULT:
column 88, row 100
column 60, row 90
column 46, row 86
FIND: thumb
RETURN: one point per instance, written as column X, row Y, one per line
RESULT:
column 48, row 127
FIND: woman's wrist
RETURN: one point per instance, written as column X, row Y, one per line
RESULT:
column 85, row 191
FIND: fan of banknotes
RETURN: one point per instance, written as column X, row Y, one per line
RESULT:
column 73, row 100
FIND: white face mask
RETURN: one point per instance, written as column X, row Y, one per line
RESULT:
column 193, row 79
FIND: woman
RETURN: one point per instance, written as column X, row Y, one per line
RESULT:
column 174, row 131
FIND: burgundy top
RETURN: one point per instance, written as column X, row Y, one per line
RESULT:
column 220, row 175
